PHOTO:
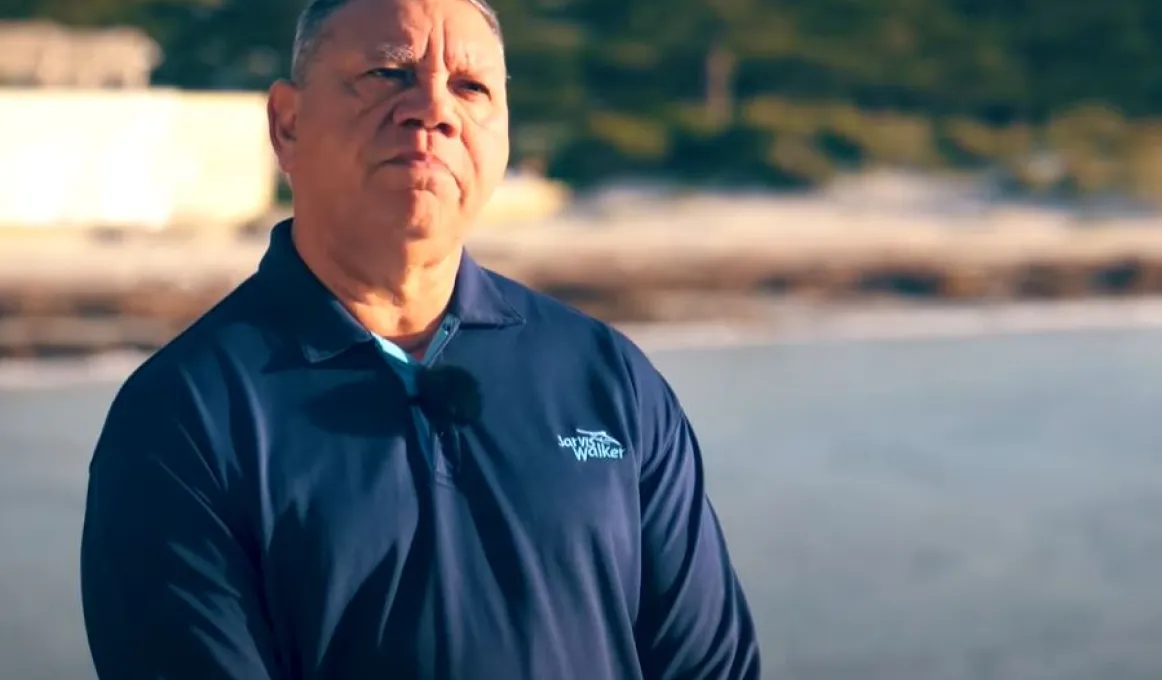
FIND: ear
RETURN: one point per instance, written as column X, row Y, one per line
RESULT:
column 282, row 105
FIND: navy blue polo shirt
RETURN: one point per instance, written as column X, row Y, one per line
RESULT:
column 266, row 503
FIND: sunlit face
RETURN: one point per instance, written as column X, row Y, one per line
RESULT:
column 399, row 134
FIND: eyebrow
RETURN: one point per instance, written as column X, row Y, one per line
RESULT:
column 404, row 54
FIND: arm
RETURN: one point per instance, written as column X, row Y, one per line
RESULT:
column 167, row 589
column 695, row 623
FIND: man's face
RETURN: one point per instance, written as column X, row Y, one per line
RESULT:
column 399, row 134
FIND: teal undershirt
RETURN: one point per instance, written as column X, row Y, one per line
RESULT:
column 406, row 367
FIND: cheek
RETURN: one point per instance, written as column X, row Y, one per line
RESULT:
column 488, row 150
column 329, row 131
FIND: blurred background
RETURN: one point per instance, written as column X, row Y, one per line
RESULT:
column 900, row 258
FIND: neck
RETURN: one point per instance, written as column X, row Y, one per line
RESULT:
column 397, row 300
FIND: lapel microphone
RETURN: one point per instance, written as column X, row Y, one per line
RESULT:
column 449, row 396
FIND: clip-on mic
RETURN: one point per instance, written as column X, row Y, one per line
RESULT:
column 450, row 398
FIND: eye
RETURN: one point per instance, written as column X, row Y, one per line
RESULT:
column 476, row 87
column 391, row 73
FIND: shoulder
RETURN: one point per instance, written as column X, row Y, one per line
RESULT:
column 171, row 422
column 553, row 323
column 180, row 384
column 564, row 333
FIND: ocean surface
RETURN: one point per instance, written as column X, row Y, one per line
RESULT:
column 981, row 506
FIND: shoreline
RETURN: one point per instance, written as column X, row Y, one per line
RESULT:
column 71, row 295
column 786, row 325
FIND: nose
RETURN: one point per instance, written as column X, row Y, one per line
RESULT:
column 428, row 105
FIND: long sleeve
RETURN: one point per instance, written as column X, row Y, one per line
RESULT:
column 167, row 588
column 695, row 623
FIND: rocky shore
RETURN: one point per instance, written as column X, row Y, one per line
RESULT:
column 73, row 294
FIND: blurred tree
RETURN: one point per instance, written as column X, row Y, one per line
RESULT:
column 776, row 91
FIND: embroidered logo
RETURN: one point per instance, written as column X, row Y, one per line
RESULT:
column 588, row 444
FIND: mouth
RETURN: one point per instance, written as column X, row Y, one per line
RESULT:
column 417, row 160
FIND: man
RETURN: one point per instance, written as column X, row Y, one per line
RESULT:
column 375, row 459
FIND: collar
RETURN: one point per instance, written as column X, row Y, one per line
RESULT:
column 322, row 325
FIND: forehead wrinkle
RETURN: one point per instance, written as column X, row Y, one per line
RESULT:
column 461, row 57
column 394, row 52
column 474, row 60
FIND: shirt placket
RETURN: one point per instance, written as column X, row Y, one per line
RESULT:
column 428, row 439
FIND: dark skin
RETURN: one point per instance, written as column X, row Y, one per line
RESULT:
column 393, row 144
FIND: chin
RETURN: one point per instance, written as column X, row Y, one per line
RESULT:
column 421, row 232
column 411, row 218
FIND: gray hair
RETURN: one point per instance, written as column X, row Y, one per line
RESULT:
column 309, row 31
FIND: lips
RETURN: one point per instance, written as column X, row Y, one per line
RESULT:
column 417, row 159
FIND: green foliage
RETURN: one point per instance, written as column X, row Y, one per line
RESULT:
column 784, row 92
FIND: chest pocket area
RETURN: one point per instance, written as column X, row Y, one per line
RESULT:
column 566, row 495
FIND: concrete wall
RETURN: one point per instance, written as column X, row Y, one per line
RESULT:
column 133, row 159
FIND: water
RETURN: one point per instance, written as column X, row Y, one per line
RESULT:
column 981, row 508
